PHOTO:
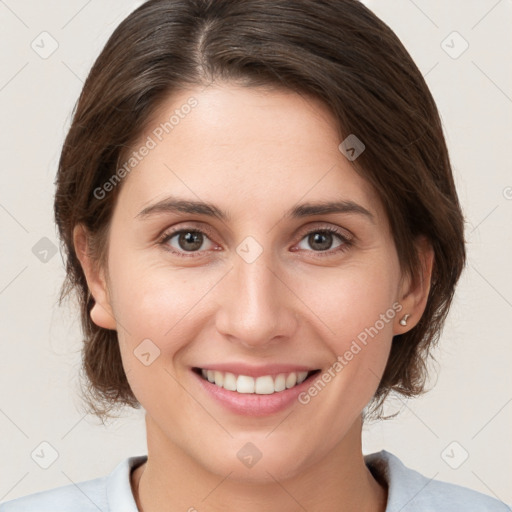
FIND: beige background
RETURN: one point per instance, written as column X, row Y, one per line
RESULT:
column 470, row 404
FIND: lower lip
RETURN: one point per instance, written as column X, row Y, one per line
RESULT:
column 252, row 404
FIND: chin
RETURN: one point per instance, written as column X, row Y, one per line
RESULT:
column 248, row 463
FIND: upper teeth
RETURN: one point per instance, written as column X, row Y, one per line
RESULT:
column 264, row 385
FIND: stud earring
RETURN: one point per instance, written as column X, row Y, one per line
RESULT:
column 404, row 320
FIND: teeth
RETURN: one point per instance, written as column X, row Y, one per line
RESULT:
column 219, row 378
column 291, row 380
column 264, row 385
column 280, row 382
column 245, row 384
column 229, row 381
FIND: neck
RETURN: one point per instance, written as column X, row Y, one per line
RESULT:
column 171, row 479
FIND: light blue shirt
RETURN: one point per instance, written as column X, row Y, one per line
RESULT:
column 408, row 491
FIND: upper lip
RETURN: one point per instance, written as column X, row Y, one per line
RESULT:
column 256, row 370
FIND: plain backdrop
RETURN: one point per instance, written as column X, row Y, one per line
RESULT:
column 458, row 432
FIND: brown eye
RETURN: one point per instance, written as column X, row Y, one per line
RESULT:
column 190, row 240
column 184, row 240
column 321, row 240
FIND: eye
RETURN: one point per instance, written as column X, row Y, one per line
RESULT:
column 192, row 241
column 184, row 240
column 321, row 240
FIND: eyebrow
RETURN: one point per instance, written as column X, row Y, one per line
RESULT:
column 176, row 205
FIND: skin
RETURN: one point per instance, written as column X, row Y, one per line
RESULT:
column 255, row 153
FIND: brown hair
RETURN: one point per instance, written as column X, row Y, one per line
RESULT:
column 335, row 50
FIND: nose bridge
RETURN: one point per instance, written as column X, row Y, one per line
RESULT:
column 257, row 307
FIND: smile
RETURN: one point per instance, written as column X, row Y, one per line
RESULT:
column 262, row 385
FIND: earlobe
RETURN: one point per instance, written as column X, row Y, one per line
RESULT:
column 414, row 292
column 101, row 313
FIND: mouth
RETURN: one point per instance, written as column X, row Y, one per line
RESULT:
column 249, row 385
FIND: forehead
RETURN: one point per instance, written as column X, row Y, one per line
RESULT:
column 251, row 149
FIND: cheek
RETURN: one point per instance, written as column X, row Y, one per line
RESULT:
column 156, row 309
column 152, row 299
column 159, row 310
column 358, row 309
column 351, row 300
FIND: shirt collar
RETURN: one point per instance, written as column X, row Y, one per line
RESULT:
column 119, row 490
column 403, row 483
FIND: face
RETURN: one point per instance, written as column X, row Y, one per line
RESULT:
column 258, row 284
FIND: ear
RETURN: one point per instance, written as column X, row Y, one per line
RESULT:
column 414, row 290
column 101, row 313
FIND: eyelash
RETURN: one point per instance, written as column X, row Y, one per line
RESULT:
column 346, row 242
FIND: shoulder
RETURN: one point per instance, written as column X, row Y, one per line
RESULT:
column 410, row 491
column 108, row 494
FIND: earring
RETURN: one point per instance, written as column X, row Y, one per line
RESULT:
column 404, row 320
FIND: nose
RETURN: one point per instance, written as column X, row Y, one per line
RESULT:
column 257, row 305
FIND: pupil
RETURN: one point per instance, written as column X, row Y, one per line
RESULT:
column 317, row 240
column 191, row 237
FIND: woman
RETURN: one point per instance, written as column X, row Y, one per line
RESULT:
column 260, row 221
